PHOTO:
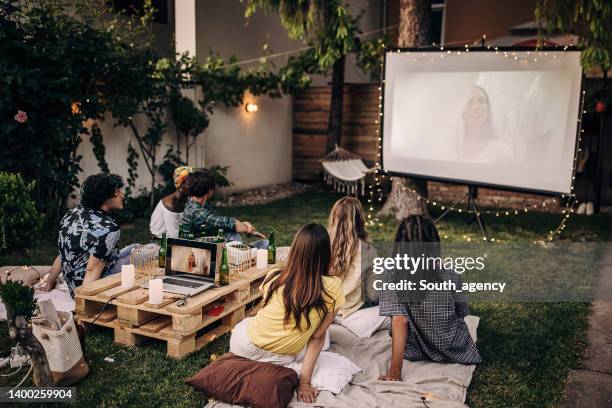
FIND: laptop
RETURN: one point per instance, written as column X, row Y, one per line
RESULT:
column 191, row 266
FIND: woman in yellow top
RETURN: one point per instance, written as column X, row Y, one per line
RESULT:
column 301, row 292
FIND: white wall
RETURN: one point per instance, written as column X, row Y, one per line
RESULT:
column 256, row 146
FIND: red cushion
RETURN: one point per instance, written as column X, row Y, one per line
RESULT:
column 237, row 380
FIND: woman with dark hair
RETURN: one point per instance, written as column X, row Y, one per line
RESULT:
column 299, row 304
column 166, row 216
column 89, row 234
column 430, row 326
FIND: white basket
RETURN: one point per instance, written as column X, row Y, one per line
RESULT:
column 62, row 347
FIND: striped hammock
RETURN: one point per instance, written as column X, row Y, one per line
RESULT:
column 345, row 171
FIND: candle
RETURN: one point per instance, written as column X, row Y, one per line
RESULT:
column 128, row 276
column 262, row 258
column 156, row 291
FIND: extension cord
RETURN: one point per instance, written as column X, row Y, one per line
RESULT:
column 5, row 362
column 18, row 358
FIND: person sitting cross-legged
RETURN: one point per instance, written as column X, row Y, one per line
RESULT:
column 200, row 218
column 430, row 325
column 89, row 234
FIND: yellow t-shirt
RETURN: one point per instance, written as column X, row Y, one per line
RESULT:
column 268, row 332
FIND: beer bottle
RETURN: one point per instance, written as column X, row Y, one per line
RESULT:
column 188, row 232
column 162, row 252
column 224, row 269
column 219, row 238
column 271, row 250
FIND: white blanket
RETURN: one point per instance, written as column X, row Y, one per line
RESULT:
column 60, row 297
column 443, row 385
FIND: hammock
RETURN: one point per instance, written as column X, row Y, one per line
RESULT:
column 344, row 170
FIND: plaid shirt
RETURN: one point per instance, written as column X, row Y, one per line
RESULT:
column 204, row 220
column 436, row 329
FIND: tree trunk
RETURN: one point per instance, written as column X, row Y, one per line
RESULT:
column 414, row 31
column 334, row 127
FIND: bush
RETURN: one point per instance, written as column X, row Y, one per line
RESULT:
column 19, row 218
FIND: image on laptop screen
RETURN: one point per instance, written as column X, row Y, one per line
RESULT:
column 193, row 259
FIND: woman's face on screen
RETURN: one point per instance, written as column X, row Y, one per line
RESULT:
column 476, row 110
column 191, row 258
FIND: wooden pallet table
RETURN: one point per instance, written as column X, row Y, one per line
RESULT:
column 185, row 328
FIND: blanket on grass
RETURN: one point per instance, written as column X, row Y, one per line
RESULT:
column 443, row 385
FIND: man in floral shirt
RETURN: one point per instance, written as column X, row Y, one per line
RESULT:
column 89, row 235
column 201, row 219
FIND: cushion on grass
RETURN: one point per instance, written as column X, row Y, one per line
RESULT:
column 240, row 381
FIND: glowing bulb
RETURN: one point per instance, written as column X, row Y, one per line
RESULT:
column 251, row 107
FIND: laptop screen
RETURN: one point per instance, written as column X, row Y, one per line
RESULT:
column 191, row 257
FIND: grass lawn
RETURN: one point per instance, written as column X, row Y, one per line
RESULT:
column 528, row 349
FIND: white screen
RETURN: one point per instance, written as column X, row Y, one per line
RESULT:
column 489, row 118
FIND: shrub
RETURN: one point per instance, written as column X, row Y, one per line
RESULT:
column 19, row 218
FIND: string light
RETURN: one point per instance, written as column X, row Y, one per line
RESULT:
column 379, row 173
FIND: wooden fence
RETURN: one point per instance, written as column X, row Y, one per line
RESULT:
column 310, row 117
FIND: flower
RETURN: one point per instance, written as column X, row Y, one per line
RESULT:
column 21, row 116
column 75, row 108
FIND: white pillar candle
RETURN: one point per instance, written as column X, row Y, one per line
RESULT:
column 156, row 291
column 128, row 276
column 262, row 258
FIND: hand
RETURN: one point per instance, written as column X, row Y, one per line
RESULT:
column 392, row 376
column 250, row 227
column 307, row 393
column 48, row 286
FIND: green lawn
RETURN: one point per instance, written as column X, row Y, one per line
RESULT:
column 528, row 349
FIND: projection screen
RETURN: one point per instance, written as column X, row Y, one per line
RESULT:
column 504, row 119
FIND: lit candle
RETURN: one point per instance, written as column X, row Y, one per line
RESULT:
column 156, row 291
column 128, row 276
column 262, row 258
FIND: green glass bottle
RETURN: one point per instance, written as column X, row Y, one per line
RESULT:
column 224, row 269
column 162, row 251
column 271, row 250
column 219, row 238
column 188, row 232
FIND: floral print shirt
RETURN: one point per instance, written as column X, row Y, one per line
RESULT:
column 85, row 232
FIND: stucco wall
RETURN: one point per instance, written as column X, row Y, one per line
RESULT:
column 256, row 146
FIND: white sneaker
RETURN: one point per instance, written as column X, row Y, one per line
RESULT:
column 581, row 208
column 590, row 208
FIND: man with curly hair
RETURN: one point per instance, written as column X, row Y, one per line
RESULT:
column 89, row 234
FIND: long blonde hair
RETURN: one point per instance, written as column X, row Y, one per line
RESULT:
column 346, row 226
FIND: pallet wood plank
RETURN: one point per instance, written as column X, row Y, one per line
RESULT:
column 107, row 315
column 134, row 317
column 156, row 324
column 100, row 285
column 115, row 292
column 134, row 297
column 212, row 335
column 186, row 322
column 179, row 349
